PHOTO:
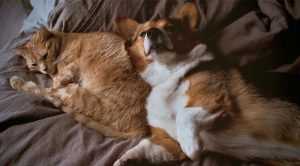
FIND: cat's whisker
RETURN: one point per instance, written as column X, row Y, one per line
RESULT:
column 57, row 60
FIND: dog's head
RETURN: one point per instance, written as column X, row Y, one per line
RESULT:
column 163, row 40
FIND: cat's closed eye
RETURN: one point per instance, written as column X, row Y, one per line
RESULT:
column 45, row 56
column 33, row 64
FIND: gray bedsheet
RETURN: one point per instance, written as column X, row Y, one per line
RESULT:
column 257, row 35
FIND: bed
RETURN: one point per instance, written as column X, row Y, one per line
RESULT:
column 261, row 37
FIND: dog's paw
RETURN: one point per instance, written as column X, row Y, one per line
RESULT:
column 192, row 150
column 190, row 146
column 120, row 162
column 17, row 82
column 188, row 135
column 123, row 161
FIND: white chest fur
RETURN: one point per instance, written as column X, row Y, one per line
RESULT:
column 168, row 95
column 164, row 104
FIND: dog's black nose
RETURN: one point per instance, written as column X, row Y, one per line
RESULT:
column 153, row 33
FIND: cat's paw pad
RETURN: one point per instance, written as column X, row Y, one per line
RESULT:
column 17, row 82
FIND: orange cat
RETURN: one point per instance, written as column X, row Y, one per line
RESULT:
column 93, row 80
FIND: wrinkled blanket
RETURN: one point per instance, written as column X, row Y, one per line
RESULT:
column 258, row 36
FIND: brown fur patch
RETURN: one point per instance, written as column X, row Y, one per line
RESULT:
column 162, row 138
column 245, row 111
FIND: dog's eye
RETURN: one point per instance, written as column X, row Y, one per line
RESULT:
column 170, row 28
column 143, row 34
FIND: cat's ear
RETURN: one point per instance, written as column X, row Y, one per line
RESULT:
column 188, row 14
column 126, row 27
column 20, row 50
column 44, row 34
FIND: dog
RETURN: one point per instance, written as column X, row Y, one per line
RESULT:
column 161, row 146
column 198, row 103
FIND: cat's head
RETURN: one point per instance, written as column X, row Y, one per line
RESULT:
column 41, row 52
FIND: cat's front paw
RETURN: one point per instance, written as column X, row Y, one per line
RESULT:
column 17, row 82
column 56, row 85
column 60, row 82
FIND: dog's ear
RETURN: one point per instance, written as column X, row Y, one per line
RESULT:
column 189, row 14
column 126, row 27
column 20, row 50
column 44, row 34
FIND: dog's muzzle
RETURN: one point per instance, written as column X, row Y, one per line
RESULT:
column 156, row 40
column 154, row 34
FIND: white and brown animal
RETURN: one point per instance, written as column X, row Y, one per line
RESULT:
column 201, row 103
column 93, row 80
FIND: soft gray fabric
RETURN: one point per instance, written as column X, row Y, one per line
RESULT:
column 39, row 14
column 12, row 15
